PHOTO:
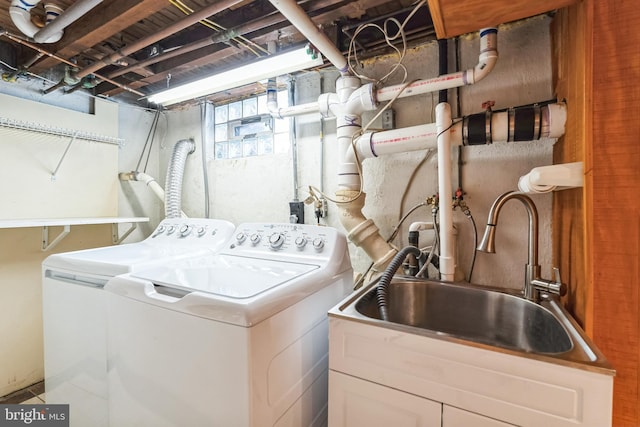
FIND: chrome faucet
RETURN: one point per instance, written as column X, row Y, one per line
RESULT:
column 533, row 283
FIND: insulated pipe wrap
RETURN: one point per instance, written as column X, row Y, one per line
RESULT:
column 175, row 174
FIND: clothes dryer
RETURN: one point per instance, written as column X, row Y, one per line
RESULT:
column 236, row 339
column 74, row 308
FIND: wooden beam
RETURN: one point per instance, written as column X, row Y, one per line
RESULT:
column 597, row 67
column 107, row 19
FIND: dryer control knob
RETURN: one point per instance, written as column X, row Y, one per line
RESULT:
column 255, row 238
column 201, row 231
column 241, row 237
column 185, row 230
column 301, row 242
column 171, row 229
column 159, row 231
column 318, row 243
column 276, row 240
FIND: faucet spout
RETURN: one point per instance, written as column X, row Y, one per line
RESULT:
column 487, row 243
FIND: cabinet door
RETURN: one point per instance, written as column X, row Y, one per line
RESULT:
column 358, row 403
column 454, row 417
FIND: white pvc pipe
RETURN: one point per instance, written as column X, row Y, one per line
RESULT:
column 420, row 226
column 282, row 112
column 544, row 179
column 348, row 122
column 72, row 14
column 20, row 13
column 447, row 248
column 404, row 140
column 486, row 61
column 297, row 16
column 424, row 137
column 297, row 110
column 151, row 183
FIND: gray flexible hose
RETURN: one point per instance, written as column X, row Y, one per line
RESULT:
column 385, row 278
column 175, row 174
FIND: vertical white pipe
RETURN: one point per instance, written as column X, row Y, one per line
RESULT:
column 447, row 249
column 296, row 15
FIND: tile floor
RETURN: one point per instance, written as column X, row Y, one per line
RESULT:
column 34, row 394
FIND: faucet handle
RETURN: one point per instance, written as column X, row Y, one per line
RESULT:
column 553, row 287
column 558, row 287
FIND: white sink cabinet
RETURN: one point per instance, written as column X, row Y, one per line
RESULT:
column 384, row 377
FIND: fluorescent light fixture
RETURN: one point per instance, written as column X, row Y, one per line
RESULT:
column 272, row 66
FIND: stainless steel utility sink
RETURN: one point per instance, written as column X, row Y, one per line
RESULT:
column 477, row 316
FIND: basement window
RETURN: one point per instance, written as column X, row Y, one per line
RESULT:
column 246, row 129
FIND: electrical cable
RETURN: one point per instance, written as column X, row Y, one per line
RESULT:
column 352, row 52
column 356, row 135
column 146, row 142
column 397, row 227
column 11, row 67
column 240, row 40
column 436, row 243
column 426, row 157
column 475, row 245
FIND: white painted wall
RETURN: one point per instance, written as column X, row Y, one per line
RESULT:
column 86, row 185
column 135, row 199
column 259, row 189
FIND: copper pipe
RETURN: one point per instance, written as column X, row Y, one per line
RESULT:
column 171, row 29
column 38, row 49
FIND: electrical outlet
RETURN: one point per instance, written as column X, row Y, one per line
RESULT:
column 388, row 119
column 324, row 210
column 296, row 212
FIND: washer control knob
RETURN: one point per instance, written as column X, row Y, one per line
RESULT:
column 301, row 242
column 241, row 237
column 171, row 229
column 159, row 230
column 185, row 230
column 255, row 238
column 276, row 240
column 318, row 243
column 200, row 231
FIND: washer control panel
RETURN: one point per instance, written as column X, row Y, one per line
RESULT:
column 259, row 238
column 192, row 230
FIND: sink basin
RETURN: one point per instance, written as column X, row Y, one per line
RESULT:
column 478, row 316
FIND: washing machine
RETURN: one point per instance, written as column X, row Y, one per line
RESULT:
column 74, row 308
column 235, row 339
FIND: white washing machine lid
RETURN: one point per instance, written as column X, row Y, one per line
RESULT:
column 229, row 276
column 161, row 246
column 113, row 260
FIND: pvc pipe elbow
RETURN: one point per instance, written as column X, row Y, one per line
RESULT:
column 327, row 103
column 487, row 58
column 363, row 232
column 420, row 226
column 361, row 100
column 21, row 18
column 363, row 147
